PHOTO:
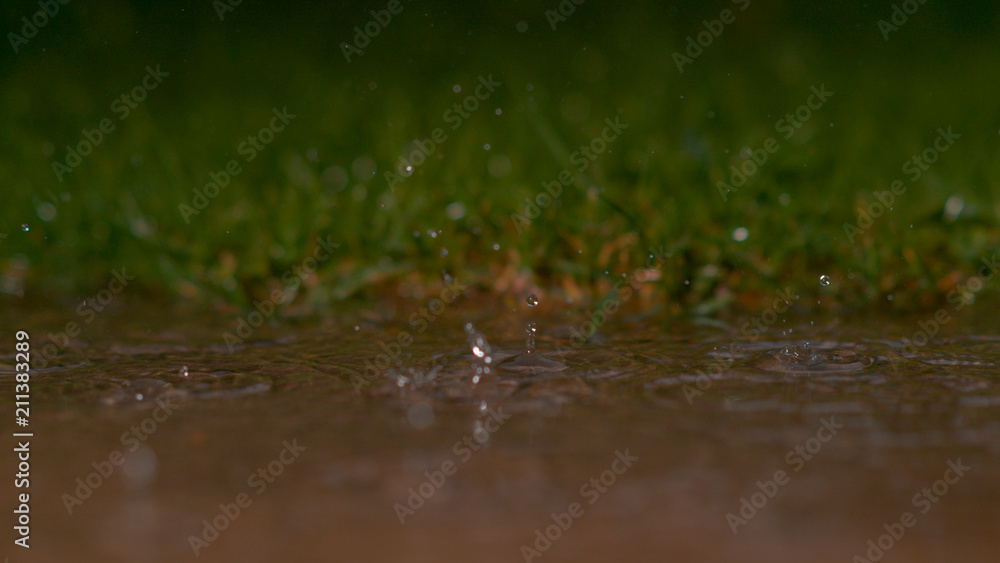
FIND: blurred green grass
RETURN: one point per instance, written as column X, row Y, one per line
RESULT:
column 655, row 186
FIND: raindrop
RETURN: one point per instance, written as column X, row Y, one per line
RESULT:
column 357, row 328
column 496, row 247
column 498, row 111
column 456, row 88
column 184, row 371
column 25, row 227
column 532, row 300
column 824, row 280
column 486, row 146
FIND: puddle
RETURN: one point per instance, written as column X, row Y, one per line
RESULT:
column 527, row 418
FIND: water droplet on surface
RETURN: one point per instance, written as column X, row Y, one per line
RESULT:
column 824, row 280
column 532, row 300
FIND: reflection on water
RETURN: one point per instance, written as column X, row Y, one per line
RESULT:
column 711, row 419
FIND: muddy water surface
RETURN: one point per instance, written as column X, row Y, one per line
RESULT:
column 661, row 440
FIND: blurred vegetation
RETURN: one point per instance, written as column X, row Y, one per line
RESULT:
column 323, row 175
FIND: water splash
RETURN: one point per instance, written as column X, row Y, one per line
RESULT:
column 802, row 359
column 530, row 361
column 480, row 349
column 412, row 379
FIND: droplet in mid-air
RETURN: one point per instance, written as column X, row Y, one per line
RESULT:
column 25, row 227
column 184, row 371
column 532, row 300
column 824, row 280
